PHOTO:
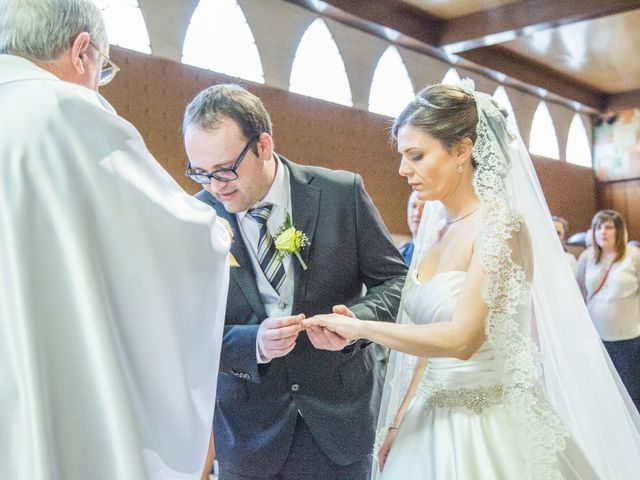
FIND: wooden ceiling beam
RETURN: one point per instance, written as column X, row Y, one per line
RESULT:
column 404, row 25
column 502, row 24
column 388, row 18
column 622, row 101
column 514, row 66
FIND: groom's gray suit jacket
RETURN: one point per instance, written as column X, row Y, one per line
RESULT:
column 337, row 393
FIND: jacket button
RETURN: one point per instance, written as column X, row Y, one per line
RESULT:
column 282, row 305
column 295, row 387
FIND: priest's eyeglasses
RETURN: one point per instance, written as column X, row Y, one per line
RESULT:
column 109, row 69
column 227, row 174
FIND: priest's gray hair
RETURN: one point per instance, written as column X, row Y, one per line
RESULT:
column 43, row 29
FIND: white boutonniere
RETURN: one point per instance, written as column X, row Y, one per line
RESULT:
column 288, row 240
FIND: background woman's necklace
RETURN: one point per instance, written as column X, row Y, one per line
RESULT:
column 462, row 217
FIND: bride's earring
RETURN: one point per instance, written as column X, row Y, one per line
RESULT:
column 460, row 168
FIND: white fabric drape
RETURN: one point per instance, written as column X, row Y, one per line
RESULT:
column 113, row 286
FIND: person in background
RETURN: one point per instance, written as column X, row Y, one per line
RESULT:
column 609, row 277
column 588, row 239
column 415, row 206
column 114, row 279
column 562, row 228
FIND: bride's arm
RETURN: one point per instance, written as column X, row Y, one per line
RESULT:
column 418, row 372
column 459, row 338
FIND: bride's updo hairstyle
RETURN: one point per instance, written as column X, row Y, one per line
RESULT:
column 447, row 113
column 444, row 112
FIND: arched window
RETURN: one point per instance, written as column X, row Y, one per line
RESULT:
column 500, row 96
column 318, row 70
column 125, row 24
column 219, row 38
column 543, row 140
column 451, row 78
column 578, row 147
column 391, row 88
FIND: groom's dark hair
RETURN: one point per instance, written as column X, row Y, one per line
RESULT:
column 207, row 109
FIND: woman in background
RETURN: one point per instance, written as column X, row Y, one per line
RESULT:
column 609, row 276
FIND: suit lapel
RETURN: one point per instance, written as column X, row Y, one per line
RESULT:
column 305, row 206
column 244, row 275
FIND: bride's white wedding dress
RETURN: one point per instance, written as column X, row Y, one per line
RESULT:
column 456, row 427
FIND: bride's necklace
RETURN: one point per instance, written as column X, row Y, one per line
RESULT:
column 462, row 217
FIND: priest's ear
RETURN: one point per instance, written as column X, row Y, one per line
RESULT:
column 79, row 53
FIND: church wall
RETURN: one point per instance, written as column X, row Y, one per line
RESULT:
column 153, row 92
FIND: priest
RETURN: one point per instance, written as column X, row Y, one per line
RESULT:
column 113, row 281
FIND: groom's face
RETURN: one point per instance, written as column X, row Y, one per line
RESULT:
column 212, row 149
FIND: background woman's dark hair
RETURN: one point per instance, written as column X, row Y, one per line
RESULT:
column 604, row 216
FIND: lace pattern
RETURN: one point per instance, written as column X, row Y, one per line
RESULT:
column 507, row 295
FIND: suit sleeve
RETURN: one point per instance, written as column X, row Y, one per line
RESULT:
column 238, row 356
column 382, row 268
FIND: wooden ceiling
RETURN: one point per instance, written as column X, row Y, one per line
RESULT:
column 582, row 53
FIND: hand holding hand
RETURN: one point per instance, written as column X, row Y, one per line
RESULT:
column 324, row 339
column 341, row 324
column 277, row 336
column 327, row 340
column 343, row 310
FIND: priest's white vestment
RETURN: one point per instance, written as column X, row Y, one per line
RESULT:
column 113, row 285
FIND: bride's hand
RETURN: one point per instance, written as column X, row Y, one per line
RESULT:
column 345, row 326
column 383, row 453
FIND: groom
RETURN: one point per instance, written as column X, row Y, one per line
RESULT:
column 291, row 404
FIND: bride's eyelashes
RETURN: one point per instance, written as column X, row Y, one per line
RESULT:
column 417, row 157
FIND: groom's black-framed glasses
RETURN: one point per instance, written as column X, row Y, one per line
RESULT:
column 227, row 174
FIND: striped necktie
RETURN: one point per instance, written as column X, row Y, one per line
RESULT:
column 267, row 255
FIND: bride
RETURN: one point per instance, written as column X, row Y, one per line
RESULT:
column 497, row 371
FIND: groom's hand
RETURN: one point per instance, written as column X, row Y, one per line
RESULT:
column 326, row 339
column 277, row 336
column 333, row 331
column 343, row 310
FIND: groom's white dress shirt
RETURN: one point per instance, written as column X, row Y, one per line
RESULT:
column 276, row 305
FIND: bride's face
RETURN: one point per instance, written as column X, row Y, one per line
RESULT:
column 430, row 168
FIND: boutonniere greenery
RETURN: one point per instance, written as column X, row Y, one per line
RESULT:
column 288, row 240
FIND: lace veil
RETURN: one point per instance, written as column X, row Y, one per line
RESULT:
column 557, row 378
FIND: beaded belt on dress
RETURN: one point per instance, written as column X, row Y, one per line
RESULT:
column 475, row 399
